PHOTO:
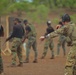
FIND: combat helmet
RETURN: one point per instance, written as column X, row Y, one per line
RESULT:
column 66, row 18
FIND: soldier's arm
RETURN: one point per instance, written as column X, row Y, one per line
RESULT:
column 27, row 33
column 57, row 32
column 24, row 38
column 48, row 31
column 12, row 34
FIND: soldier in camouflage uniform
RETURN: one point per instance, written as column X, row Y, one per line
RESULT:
column 1, row 63
column 31, row 36
column 48, row 42
column 69, row 30
column 61, row 41
column 16, row 48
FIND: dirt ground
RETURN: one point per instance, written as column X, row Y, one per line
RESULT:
column 45, row 66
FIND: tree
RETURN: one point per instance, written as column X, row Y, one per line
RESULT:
column 18, row 7
column 39, row 15
column 56, row 3
column 4, row 4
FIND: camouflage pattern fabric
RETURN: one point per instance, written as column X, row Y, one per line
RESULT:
column 48, row 43
column 70, row 68
column 16, row 49
column 61, row 42
column 1, row 63
column 68, row 30
column 31, row 42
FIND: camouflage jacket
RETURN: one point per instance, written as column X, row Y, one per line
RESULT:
column 32, row 33
column 67, row 30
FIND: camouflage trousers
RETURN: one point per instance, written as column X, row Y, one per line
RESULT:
column 31, row 43
column 48, row 43
column 1, row 63
column 61, row 42
column 16, row 49
column 70, row 68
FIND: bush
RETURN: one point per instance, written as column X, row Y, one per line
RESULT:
column 55, row 21
column 73, row 17
column 39, row 15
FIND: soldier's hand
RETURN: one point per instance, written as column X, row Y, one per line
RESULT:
column 23, row 41
column 42, row 38
column 6, row 40
column 58, row 26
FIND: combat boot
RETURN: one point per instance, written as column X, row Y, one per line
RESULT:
column 20, row 64
column 2, row 73
column 64, row 54
column 42, row 57
column 12, row 65
column 26, row 61
column 52, row 57
column 35, row 61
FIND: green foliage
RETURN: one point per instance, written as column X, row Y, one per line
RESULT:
column 42, row 12
column 3, row 6
column 18, row 6
column 36, row 11
column 73, row 17
column 55, row 21
column 39, row 15
column 56, row 3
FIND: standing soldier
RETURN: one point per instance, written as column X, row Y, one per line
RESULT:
column 69, row 30
column 31, row 36
column 16, row 48
column 48, row 41
column 1, row 63
column 61, row 41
